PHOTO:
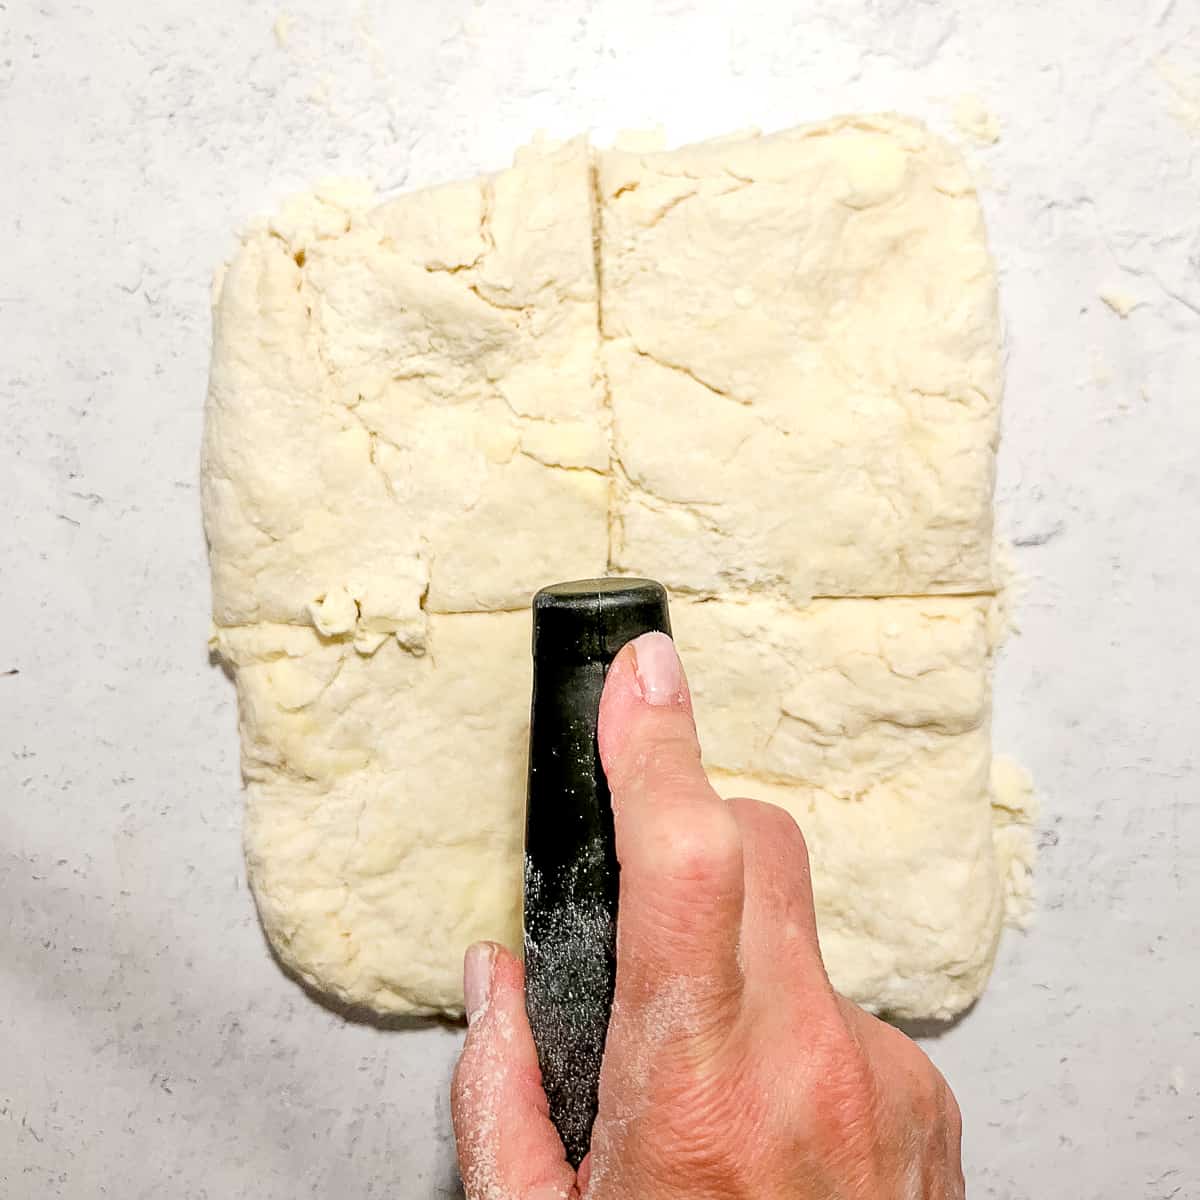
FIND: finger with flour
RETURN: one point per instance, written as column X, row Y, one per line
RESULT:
column 677, row 841
column 508, row 1148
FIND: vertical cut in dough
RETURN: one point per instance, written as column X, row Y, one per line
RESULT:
column 422, row 411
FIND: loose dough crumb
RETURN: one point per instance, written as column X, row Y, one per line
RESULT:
column 1014, row 810
column 975, row 121
column 1122, row 303
column 1184, row 94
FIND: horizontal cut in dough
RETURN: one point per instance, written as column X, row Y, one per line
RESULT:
column 786, row 388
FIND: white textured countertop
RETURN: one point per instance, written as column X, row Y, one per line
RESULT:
column 149, row 1046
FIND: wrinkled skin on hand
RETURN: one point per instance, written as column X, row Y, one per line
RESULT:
column 732, row 1070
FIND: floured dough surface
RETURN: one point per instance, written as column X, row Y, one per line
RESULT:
column 778, row 394
column 868, row 721
column 405, row 412
column 812, row 316
column 386, row 799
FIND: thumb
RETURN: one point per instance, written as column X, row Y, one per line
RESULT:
column 507, row 1145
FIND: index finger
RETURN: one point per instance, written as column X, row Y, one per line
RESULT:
column 678, row 842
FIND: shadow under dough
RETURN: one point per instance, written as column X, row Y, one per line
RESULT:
column 926, row 1028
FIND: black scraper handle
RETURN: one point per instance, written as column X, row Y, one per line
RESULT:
column 570, row 855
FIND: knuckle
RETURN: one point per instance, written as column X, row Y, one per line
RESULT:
column 793, row 837
column 847, row 1097
column 784, row 828
column 791, row 847
column 705, row 848
column 929, row 1097
column 777, row 827
column 850, row 1093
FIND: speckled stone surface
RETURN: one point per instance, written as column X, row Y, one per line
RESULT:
column 149, row 1046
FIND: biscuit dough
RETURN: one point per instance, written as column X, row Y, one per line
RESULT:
column 763, row 370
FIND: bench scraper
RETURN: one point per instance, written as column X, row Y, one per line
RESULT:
column 571, row 868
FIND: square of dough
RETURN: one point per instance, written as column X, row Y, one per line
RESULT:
column 393, row 385
column 868, row 720
column 385, row 801
column 804, row 363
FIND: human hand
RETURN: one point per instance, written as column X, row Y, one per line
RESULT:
column 732, row 1069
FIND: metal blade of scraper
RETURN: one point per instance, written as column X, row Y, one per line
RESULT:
column 570, row 853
